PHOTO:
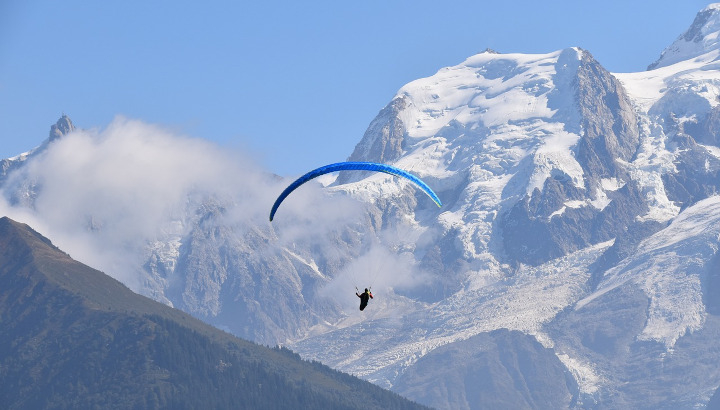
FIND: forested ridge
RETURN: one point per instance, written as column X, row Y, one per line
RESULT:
column 72, row 337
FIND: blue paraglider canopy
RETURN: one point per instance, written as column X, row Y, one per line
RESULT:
column 354, row 166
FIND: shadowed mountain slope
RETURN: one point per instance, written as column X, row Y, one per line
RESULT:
column 73, row 337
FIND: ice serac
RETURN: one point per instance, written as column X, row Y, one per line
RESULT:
column 699, row 39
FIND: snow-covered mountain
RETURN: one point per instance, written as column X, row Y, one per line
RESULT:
column 574, row 262
column 700, row 39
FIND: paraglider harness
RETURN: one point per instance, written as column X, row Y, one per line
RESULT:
column 364, row 297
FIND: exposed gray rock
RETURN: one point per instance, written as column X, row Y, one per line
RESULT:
column 531, row 233
column 23, row 191
column 497, row 370
column 62, row 127
column 382, row 141
column 697, row 171
column 714, row 403
column 229, row 277
column 624, row 245
column 638, row 374
column 707, row 130
column 609, row 122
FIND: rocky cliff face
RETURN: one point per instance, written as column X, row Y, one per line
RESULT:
column 62, row 127
column 23, row 190
column 383, row 140
column 540, row 226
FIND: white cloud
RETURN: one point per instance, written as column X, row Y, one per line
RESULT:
column 379, row 269
column 104, row 195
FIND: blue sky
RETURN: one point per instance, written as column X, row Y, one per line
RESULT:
column 294, row 83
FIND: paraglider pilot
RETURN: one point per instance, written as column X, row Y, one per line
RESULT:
column 364, row 298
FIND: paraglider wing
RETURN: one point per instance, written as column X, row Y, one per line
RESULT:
column 356, row 166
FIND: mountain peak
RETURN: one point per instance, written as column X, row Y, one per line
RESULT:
column 702, row 37
column 62, row 127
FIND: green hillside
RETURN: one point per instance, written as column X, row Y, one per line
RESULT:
column 72, row 337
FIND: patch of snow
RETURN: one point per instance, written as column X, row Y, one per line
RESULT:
column 21, row 157
column 715, row 151
column 309, row 263
column 611, row 184
column 695, row 78
column 555, row 153
column 599, row 203
column 589, row 382
column 601, row 200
